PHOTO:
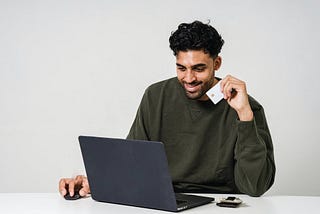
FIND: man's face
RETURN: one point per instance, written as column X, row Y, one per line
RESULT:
column 196, row 72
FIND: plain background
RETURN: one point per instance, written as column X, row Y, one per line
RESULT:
column 70, row 68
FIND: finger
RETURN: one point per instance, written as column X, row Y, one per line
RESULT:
column 229, row 78
column 233, row 78
column 63, row 183
column 84, row 191
column 227, row 89
column 62, row 188
column 71, row 187
column 85, row 187
column 239, row 86
column 80, row 181
column 231, row 88
column 80, row 178
column 223, row 82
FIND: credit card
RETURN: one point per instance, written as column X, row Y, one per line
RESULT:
column 215, row 93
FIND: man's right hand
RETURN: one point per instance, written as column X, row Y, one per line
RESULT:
column 71, row 185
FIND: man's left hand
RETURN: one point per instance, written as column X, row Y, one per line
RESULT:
column 235, row 92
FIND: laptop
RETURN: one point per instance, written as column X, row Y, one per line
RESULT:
column 132, row 172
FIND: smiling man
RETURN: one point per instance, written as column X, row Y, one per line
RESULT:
column 196, row 72
column 219, row 148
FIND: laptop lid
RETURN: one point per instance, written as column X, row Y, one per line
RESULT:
column 131, row 172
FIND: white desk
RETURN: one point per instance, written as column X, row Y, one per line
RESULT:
column 40, row 203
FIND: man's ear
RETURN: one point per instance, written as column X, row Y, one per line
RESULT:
column 217, row 63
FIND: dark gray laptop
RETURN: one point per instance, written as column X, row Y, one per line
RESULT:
column 132, row 172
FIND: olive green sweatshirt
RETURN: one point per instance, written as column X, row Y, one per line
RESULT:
column 208, row 148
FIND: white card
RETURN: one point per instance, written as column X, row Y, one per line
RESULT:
column 215, row 93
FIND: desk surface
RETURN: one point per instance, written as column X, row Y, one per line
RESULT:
column 37, row 203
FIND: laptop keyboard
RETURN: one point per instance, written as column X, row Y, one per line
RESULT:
column 180, row 202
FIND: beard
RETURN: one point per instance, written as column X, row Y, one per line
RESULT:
column 200, row 93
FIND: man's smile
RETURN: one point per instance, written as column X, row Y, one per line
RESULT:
column 192, row 87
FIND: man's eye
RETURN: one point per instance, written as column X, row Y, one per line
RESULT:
column 199, row 69
column 181, row 69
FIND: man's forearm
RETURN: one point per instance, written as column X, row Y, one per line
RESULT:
column 254, row 169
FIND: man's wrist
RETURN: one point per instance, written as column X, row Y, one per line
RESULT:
column 245, row 115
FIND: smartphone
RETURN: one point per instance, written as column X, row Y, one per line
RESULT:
column 231, row 202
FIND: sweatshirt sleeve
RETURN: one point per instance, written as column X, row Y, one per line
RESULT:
column 254, row 160
column 139, row 128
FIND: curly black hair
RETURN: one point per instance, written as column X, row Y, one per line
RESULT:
column 196, row 36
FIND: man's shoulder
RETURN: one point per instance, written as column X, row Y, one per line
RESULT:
column 161, row 92
column 255, row 105
column 167, row 84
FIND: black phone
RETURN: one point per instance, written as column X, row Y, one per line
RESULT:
column 231, row 202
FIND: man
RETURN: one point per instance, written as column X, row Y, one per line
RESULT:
column 220, row 148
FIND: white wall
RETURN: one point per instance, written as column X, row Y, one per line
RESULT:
column 80, row 67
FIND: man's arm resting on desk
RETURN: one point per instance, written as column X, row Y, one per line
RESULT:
column 254, row 169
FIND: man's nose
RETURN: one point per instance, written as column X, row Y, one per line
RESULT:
column 189, row 76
